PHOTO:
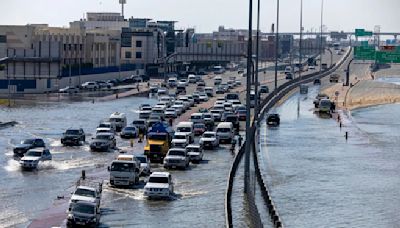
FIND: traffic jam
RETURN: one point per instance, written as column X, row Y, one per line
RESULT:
column 179, row 130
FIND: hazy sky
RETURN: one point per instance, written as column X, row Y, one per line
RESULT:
column 207, row 15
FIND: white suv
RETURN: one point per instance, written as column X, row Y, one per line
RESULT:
column 90, row 85
column 159, row 184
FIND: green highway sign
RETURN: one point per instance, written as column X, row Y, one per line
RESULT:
column 387, row 57
column 364, row 43
column 362, row 32
column 364, row 53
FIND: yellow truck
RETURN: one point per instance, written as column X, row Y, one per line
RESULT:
column 159, row 139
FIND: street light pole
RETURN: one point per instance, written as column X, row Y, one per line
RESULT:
column 276, row 45
column 248, row 88
column 320, row 43
column 256, row 100
column 301, row 37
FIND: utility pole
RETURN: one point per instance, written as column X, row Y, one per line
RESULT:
column 248, row 88
column 277, row 45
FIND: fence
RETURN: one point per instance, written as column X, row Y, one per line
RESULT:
column 266, row 105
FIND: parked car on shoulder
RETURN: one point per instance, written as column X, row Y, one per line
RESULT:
column 69, row 89
column 159, row 184
column 73, row 137
column 90, row 86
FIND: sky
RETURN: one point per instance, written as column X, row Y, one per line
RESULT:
column 207, row 15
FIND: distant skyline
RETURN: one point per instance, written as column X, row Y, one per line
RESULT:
column 207, row 15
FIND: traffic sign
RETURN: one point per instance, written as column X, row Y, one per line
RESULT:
column 364, row 53
column 387, row 57
column 362, row 32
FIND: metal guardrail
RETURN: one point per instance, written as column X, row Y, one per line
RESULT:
column 266, row 105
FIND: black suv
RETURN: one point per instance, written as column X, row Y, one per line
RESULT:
column 27, row 144
column 273, row 119
column 73, row 137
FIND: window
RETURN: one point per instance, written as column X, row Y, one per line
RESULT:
column 138, row 55
column 65, row 47
column 138, row 43
column 128, row 55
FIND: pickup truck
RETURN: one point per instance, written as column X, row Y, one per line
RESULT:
column 73, row 136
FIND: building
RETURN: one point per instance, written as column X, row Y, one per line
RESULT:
column 109, row 21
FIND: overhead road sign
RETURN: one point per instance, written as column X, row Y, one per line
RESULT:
column 387, row 57
column 364, row 53
column 362, row 32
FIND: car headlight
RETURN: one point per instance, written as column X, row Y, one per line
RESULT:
column 70, row 216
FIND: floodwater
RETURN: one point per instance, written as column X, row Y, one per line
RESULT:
column 29, row 195
column 318, row 179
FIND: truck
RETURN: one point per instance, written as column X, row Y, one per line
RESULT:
column 124, row 172
column 159, row 138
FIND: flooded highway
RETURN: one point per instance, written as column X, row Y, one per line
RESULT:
column 27, row 195
column 318, row 179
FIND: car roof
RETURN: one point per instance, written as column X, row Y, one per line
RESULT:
column 180, row 133
column 224, row 124
column 193, row 145
column 177, row 148
column 106, row 133
column 38, row 149
column 117, row 114
column 210, row 132
column 86, row 187
column 160, row 174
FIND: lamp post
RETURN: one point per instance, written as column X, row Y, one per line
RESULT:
column 276, row 45
column 257, row 58
column 301, row 36
column 248, row 87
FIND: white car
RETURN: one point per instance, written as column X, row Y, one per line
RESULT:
column 311, row 67
column 32, row 158
column 183, row 82
column 171, row 113
column 86, row 194
column 69, row 89
column 178, row 108
column 176, row 158
column 90, row 85
column 195, row 152
column 192, row 78
column 203, row 97
column 159, row 184
column 209, row 139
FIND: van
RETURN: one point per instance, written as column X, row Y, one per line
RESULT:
column 225, row 132
column 119, row 119
column 186, row 127
column 124, row 173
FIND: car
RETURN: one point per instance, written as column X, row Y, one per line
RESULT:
column 172, row 82
column 197, row 118
column 233, row 119
column 201, row 84
column 178, row 108
column 69, row 89
column 103, row 142
column 289, row 76
column 241, row 114
column 183, row 82
column 240, row 71
column 220, row 90
column 90, row 86
column 199, row 128
column 144, row 112
column 140, row 124
column 159, row 184
column 264, row 89
column 235, row 104
column 317, row 81
column 273, row 119
column 152, row 120
column 318, row 98
column 238, row 82
column 86, row 194
column 225, row 132
column 209, row 120
column 312, row 67
column 171, row 113
column 180, row 140
column 73, row 137
column 109, row 125
column 217, row 80
column 176, row 158
column 192, row 78
column 334, row 78
column 27, row 144
column 162, row 91
column 137, row 78
column 217, row 114
column 209, row 139
column 32, row 158
column 84, row 214
column 324, row 106
column 103, row 84
column 209, row 91
column 196, row 98
column 180, row 88
column 203, row 97
column 145, row 168
column 195, row 153
column 129, row 132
